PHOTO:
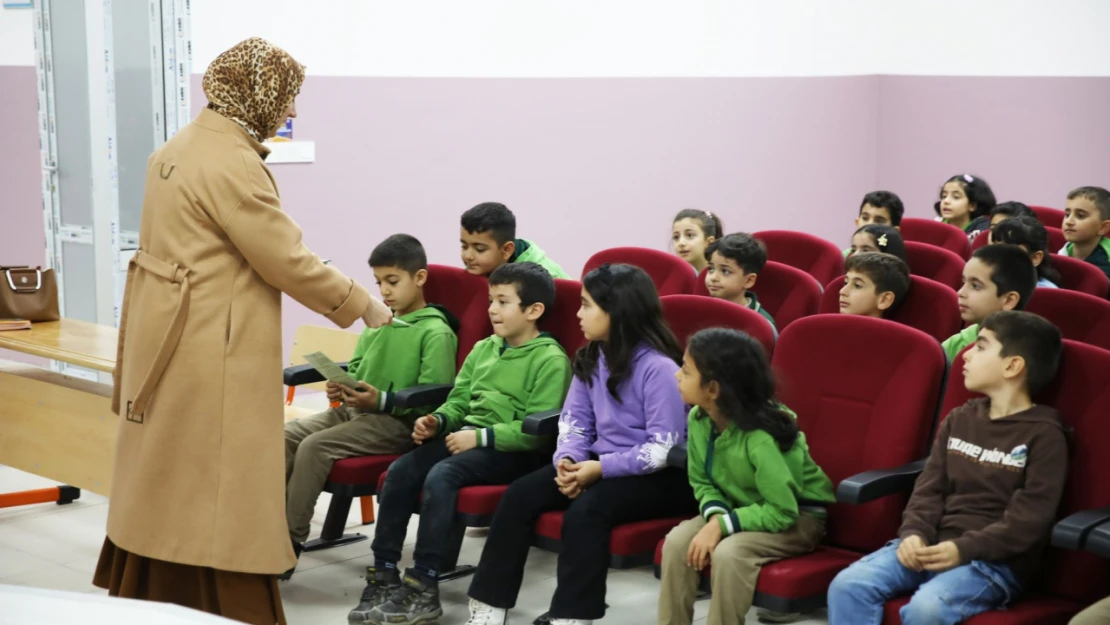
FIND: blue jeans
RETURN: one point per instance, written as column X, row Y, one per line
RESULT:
column 857, row 595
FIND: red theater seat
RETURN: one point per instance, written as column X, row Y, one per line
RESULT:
column 928, row 306
column 1050, row 217
column 813, row 255
column 787, row 293
column 936, row 233
column 1080, row 317
column 936, row 264
column 686, row 314
column 671, row 274
column 1078, row 275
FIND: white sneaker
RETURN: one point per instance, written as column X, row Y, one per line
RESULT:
column 570, row 621
column 482, row 614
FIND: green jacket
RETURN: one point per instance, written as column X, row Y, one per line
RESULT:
column 744, row 480
column 500, row 385
column 956, row 343
column 528, row 252
column 753, row 304
column 419, row 349
column 1100, row 257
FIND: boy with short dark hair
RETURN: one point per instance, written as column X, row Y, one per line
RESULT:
column 419, row 347
column 998, row 277
column 875, row 284
column 735, row 261
column 974, row 530
column 488, row 237
column 474, row 438
column 1086, row 225
column 879, row 207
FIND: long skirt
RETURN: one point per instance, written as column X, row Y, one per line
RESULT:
column 246, row 597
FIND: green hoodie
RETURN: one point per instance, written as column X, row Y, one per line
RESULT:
column 418, row 348
column 528, row 252
column 500, row 385
column 747, row 482
column 956, row 343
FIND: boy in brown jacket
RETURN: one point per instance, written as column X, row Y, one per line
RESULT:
column 982, row 509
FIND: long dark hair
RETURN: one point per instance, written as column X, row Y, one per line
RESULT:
column 635, row 318
column 738, row 364
column 1031, row 233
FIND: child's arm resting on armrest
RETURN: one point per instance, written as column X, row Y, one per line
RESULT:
column 547, row 394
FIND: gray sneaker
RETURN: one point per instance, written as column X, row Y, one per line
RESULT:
column 416, row 601
column 379, row 586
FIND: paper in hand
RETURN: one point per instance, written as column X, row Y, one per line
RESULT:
column 331, row 371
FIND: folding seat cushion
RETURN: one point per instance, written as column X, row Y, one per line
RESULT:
column 671, row 274
column 1081, row 317
column 936, row 233
column 928, row 306
column 1079, row 275
column 686, row 314
column 935, row 263
column 876, row 414
column 1068, row 580
column 813, row 255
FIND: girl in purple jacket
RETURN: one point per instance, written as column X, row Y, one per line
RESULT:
column 622, row 415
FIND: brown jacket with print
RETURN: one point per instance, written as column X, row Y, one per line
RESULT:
column 992, row 486
column 199, row 475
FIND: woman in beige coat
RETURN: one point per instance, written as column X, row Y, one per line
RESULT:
column 197, row 508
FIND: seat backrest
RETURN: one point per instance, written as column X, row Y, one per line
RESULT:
column 981, row 240
column 935, row 263
column 1080, row 317
column 1080, row 393
column 936, row 233
column 1050, row 217
column 334, row 343
column 465, row 296
column 1079, row 275
column 875, row 414
column 787, row 293
column 813, row 255
column 671, row 274
column 561, row 320
column 928, row 306
column 1056, row 240
column 687, row 314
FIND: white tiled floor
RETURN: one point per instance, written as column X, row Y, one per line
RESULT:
column 56, row 547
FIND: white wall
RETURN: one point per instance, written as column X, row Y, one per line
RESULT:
column 545, row 38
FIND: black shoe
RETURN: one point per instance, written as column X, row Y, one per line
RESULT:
column 380, row 584
column 298, row 548
column 416, row 601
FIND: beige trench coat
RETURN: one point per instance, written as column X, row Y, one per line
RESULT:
column 199, row 472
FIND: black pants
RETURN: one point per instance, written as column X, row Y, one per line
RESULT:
column 430, row 477
column 584, row 559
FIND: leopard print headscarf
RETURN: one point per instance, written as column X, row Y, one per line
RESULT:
column 253, row 84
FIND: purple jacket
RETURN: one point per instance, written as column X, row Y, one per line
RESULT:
column 632, row 437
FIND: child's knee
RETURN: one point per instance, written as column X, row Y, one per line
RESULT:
column 851, row 580
column 927, row 608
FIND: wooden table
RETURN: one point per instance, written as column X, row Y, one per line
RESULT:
column 54, row 425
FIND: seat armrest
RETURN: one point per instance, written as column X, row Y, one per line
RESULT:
column 676, row 457
column 1098, row 541
column 422, row 395
column 300, row 375
column 542, row 423
column 872, row 485
column 1071, row 532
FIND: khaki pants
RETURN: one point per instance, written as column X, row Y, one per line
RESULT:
column 1097, row 614
column 735, row 568
column 314, row 443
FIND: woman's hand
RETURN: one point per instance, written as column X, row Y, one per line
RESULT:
column 700, row 552
column 425, row 428
column 364, row 399
column 463, row 440
column 377, row 314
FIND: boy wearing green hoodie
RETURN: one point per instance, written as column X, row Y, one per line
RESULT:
column 488, row 237
column 419, row 347
column 475, row 438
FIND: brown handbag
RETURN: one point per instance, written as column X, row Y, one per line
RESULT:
column 29, row 293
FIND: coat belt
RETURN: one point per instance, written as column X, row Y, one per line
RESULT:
column 176, row 274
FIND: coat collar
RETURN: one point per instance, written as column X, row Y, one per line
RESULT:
column 214, row 121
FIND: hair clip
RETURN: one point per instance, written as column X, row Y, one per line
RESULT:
column 882, row 241
column 969, row 178
column 709, row 214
